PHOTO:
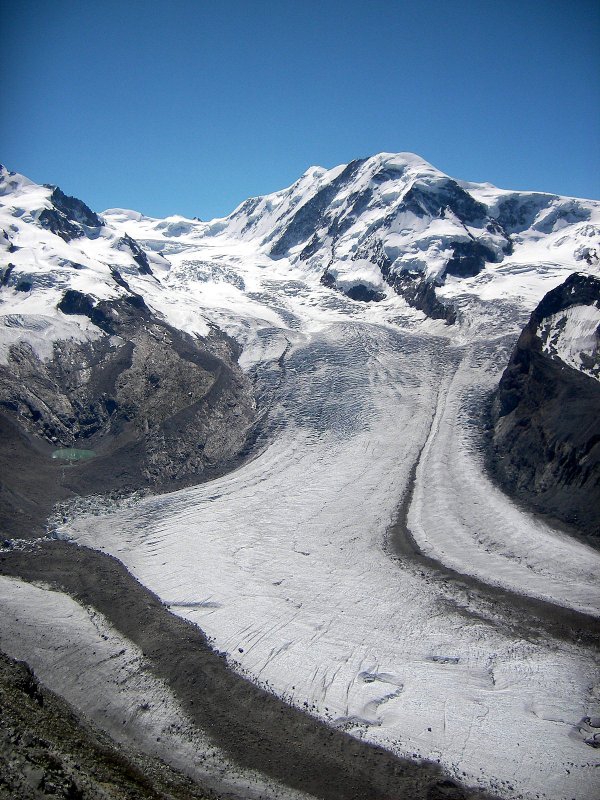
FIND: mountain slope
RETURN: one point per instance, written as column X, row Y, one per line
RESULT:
column 86, row 365
column 546, row 410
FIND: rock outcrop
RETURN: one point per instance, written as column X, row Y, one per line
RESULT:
column 48, row 751
column 68, row 217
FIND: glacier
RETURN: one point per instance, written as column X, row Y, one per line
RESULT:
column 360, row 564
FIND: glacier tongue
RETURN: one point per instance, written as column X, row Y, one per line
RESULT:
column 284, row 564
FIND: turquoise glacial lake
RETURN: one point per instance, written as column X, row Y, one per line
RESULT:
column 73, row 454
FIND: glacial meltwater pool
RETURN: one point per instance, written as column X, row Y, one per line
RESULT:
column 73, row 454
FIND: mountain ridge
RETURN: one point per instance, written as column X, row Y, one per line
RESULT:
column 393, row 221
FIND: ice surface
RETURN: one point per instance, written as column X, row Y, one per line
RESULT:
column 284, row 564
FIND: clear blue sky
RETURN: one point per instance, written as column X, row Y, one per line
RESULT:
column 190, row 107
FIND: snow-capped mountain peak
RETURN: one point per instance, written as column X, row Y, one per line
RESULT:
column 395, row 222
column 386, row 227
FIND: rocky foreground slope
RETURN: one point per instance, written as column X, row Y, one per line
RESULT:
column 47, row 751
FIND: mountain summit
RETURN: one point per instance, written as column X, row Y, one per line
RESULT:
column 394, row 220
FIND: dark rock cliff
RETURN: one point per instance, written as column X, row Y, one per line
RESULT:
column 68, row 217
column 546, row 419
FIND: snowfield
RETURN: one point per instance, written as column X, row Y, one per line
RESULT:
column 344, row 566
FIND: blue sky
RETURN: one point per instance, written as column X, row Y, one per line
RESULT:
column 190, row 107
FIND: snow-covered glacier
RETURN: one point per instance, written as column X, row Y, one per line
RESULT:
column 361, row 563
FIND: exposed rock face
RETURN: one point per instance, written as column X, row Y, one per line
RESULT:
column 468, row 258
column 75, row 209
column 140, row 258
column 359, row 291
column 159, row 408
column 546, row 415
column 67, row 216
column 420, row 294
